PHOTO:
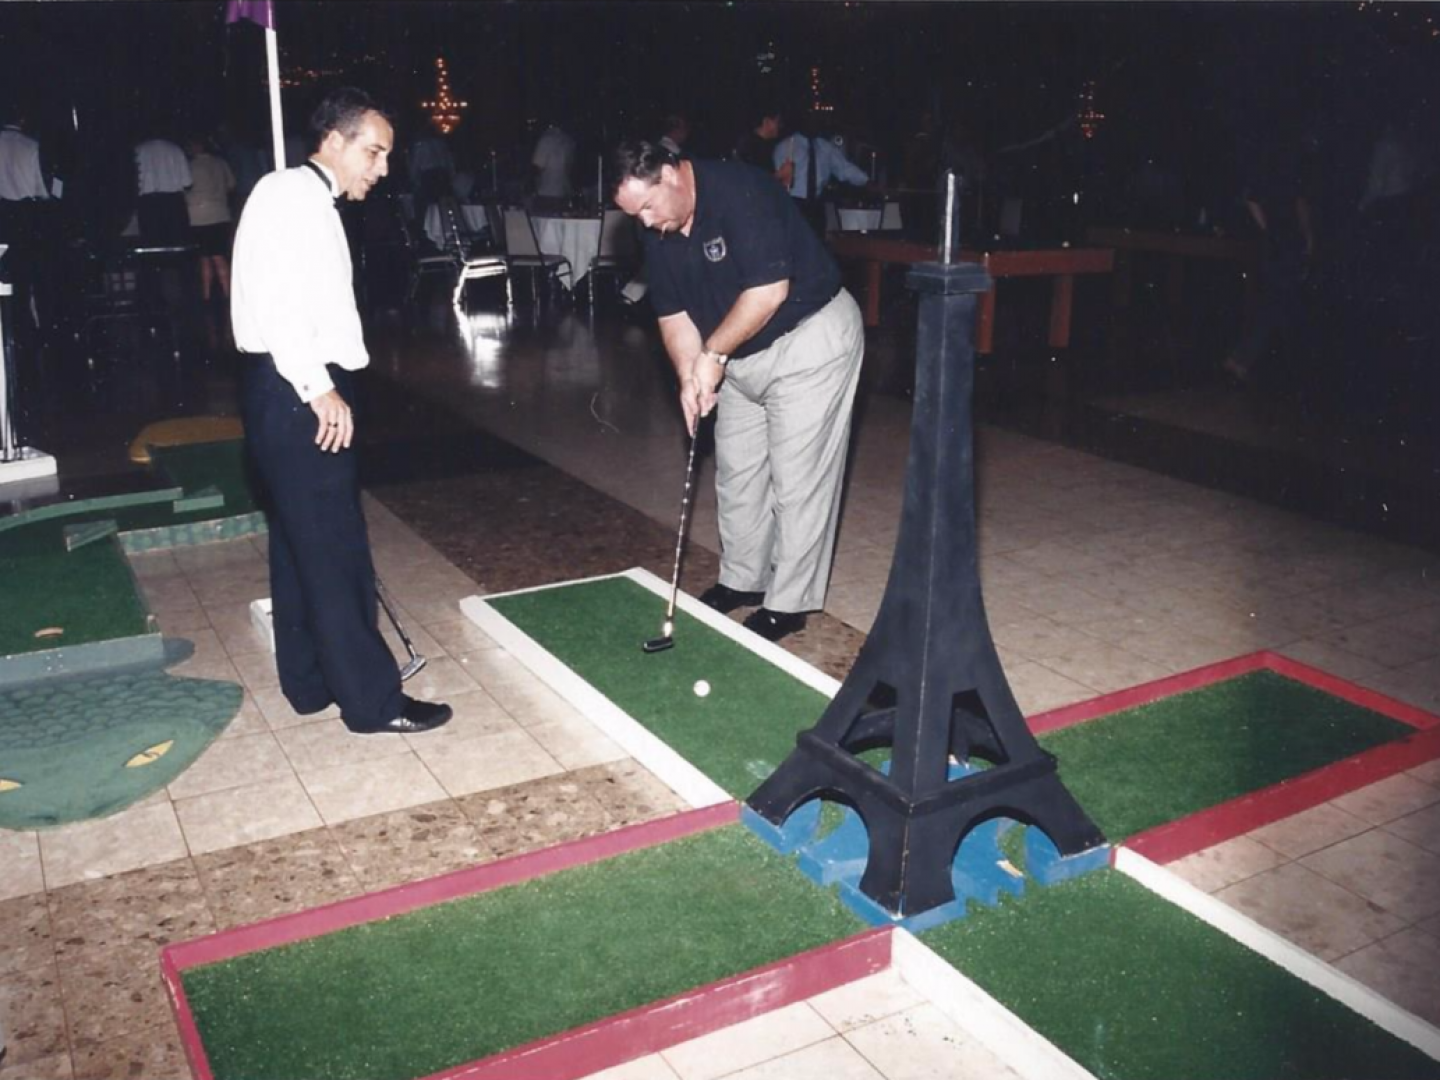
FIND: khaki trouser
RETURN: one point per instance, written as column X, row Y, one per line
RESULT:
column 782, row 431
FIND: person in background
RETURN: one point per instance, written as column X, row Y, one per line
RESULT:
column 675, row 132
column 163, row 172
column 207, row 201
column 553, row 157
column 432, row 171
column 295, row 321
column 757, row 146
column 1277, row 203
column 23, row 196
column 812, row 162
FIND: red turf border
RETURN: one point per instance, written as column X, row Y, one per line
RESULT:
column 649, row 1028
column 1176, row 839
column 688, row 1015
column 578, row 1051
column 284, row 929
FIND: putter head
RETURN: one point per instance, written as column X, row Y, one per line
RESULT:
column 412, row 667
column 659, row 644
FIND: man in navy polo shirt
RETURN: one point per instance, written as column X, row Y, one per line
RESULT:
column 754, row 319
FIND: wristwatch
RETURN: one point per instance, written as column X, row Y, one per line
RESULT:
column 719, row 358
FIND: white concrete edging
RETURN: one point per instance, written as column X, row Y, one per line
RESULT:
column 978, row 1014
column 634, row 738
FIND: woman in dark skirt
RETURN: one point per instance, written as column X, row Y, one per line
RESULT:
column 211, row 226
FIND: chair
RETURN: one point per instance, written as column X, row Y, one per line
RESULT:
column 472, row 265
column 617, row 252
column 522, row 250
column 457, row 254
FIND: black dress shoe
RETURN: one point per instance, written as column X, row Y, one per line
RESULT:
column 774, row 625
column 725, row 599
column 415, row 717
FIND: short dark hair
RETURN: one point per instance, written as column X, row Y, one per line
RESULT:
column 639, row 159
column 343, row 110
column 764, row 111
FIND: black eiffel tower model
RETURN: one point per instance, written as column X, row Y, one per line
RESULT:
column 930, row 653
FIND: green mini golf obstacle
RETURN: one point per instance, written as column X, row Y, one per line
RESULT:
column 89, row 720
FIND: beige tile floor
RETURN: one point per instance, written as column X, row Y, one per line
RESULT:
column 1097, row 575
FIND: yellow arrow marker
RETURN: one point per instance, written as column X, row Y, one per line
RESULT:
column 150, row 756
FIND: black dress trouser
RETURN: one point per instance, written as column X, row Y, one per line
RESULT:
column 328, row 647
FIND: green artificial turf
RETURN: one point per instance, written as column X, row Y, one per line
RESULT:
column 410, row 995
column 89, row 592
column 1133, row 987
column 200, row 465
column 1157, row 763
column 737, row 735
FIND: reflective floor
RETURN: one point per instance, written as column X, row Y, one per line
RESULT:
column 507, row 449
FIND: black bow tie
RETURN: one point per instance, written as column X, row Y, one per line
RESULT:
column 321, row 176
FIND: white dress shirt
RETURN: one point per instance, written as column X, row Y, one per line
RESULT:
column 554, row 151
column 830, row 163
column 290, row 281
column 20, row 176
column 208, row 200
column 163, row 167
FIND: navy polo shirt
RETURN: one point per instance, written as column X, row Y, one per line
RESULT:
column 746, row 233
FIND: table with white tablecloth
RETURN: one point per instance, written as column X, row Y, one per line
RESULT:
column 578, row 239
column 472, row 215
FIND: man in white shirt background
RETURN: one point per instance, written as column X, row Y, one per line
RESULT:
column 293, row 311
column 163, row 174
column 23, row 195
column 794, row 156
column 554, row 154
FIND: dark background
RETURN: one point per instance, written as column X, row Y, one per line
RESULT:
column 1199, row 85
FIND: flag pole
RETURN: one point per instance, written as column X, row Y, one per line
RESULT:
column 277, row 121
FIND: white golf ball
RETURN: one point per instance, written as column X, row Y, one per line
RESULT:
column 667, row 628
column 702, row 688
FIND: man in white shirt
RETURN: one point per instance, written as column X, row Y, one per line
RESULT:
column 554, row 152
column 795, row 156
column 293, row 310
column 22, row 195
column 163, row 172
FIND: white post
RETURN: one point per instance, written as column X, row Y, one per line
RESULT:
column 949, row 216
column 277, row 122
column 8, row 450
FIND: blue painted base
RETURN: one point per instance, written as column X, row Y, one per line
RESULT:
column 980, row 874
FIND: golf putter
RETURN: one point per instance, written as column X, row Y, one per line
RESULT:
column 416, row 661
column 667, row 628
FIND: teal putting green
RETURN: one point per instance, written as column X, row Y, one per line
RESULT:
column 1132, row 987
column 420, row 992
column 736, row 736
column 1157, row 763
column 77, row 748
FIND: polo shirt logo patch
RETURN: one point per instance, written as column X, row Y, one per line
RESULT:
column 715, row 249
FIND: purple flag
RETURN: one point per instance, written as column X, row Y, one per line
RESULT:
column 257, row 11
